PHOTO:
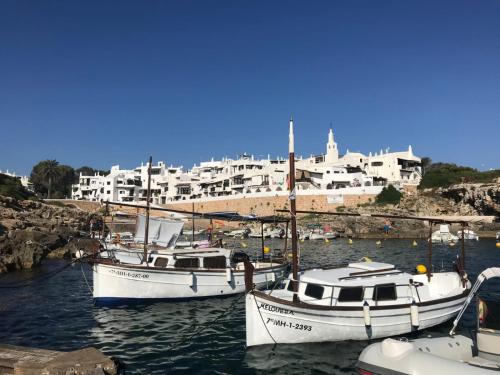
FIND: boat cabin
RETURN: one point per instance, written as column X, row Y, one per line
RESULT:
column 208, row 258
column 378, row 284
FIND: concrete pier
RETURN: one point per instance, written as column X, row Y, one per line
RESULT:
column 20, row 360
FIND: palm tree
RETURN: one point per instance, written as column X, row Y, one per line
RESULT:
column 49, row 169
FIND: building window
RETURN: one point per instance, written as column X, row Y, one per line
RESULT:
column 108, row 192
column 377, row 164
column 385, row 292
column 351, row 294
column 314, row 291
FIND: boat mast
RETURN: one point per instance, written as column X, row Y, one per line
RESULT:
column 293, row 211
column 148, row 195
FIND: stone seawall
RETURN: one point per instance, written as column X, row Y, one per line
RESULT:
column 268, row 205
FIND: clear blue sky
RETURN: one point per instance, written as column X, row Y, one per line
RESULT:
column 100, row 83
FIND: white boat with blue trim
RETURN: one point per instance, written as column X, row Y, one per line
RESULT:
column 181, row 274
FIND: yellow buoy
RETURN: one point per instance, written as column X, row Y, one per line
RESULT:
column 244, row 245
column 267, row 250
column 378, row 243
column 415, row 243
column 301, row 240
column 366, row 259
column 290, row 255
column 498, row 244
column 349, row 241
column 327, row 240
column 421, row 268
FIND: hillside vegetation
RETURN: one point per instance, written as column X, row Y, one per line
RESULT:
column 447, row 174
column 12, row 187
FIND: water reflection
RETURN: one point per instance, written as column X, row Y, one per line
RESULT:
column 151, row 338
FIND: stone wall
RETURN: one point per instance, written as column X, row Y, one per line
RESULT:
column 267, row 205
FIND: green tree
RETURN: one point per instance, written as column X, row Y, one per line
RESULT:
column 43, row 175
column 389, row 195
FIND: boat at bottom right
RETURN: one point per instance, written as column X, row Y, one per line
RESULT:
column 453, row 354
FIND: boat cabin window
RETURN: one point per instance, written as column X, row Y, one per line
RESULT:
column 214, row 262
column 384, row 292
column 187, row 263
column 351, row 294
column 314, row 291
column 161, row 262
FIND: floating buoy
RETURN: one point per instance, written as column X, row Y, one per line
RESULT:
column 366, row 259
column 421, row 268
column 229, row 275
column 349, row 241
column 414, row 243
column 452, row 243
column 301, row 240
column 378, row 243
column 498, row 244
column 244, row 245
column 414, row 314
column 366, row 314
column 290, row 255
column 267, row 250
column 327, row 240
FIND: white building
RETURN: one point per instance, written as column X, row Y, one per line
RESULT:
column 25, row 181
column 247, row 175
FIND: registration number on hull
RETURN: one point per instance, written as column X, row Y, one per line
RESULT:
column 282, row 323
column 132, row 275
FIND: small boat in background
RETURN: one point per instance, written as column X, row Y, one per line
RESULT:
column 469, row 234
column 443, row 235
column 449, row 355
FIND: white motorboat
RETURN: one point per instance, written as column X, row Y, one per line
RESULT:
column 181, row 274
column 454, row 354
column 443, row 235
column 239, row 233
column 120, row 237
column 363, row 300
column 469, row 234
column 321, row 234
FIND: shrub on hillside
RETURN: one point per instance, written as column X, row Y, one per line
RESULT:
column 389, row 195
column 446, row 174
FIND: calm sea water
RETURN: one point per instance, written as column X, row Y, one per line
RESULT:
column 154, row 338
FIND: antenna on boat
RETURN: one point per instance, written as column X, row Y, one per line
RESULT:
column 148, row 195
column 293, row 210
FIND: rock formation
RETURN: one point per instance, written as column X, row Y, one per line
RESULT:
column 31, row 231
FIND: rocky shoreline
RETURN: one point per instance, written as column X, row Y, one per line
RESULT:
column 31, row 231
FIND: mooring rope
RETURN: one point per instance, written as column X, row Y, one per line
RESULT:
column 85, row 278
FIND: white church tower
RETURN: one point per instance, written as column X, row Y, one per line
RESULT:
column 332, row 153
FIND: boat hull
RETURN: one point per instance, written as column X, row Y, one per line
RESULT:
column 113, row 283
column 271, row 320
